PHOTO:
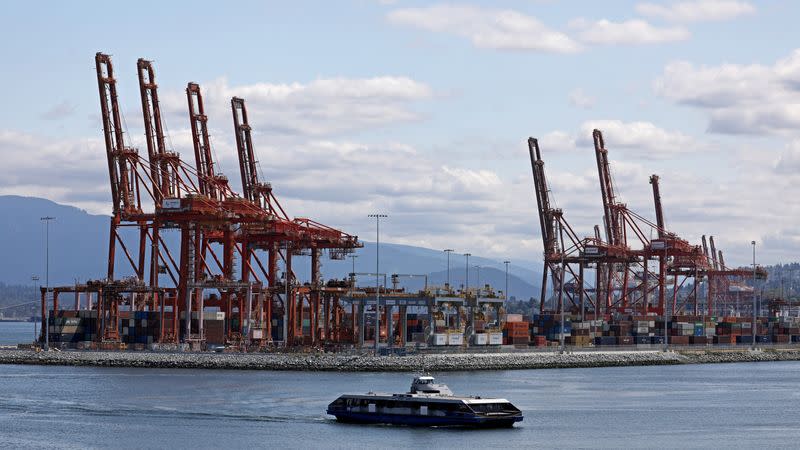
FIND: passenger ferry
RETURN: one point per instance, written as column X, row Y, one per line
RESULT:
column 426, row 404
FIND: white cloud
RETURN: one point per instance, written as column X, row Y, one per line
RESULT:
column 645, row 139
column 634, row 31
column 696, row 200
column 70, row 171
column 739, row 99
column 486, row 27
column 580, row 99
column 318, row 108
column 339, row 181
column 640, row 140
column 559, row 141
column 696, row 11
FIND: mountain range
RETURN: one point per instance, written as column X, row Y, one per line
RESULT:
column 79, row 245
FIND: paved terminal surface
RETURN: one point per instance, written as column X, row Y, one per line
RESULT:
column 359, row 363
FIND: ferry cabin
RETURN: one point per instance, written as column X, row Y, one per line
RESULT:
column 413, row 409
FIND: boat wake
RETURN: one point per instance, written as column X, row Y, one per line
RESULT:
column 11, row 405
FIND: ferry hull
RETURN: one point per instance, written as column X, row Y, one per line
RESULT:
column 427, row 421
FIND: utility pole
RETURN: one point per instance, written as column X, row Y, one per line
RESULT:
column 377, row 277
column 47, row 220
column 448, row 251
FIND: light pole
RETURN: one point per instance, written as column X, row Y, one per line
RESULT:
column 448, row 251
column 561, row 301
column 479, row 281
column 47, row 220
column 755, row 315
column 286, row 302
column 666, row 305
column 506, row 291
column 353, row 273
column 377, row 277
column 466, row 278
column 35, row 280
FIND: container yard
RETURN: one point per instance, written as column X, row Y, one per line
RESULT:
column 229, row 281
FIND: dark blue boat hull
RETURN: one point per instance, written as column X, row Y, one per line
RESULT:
column 426, row 421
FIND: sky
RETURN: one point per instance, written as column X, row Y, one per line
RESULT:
column 422, row 110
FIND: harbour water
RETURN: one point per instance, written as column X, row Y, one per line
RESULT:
column 731, row 405
column 13, row 333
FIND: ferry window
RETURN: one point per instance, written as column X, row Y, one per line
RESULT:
column 339, row 402
column 492, row 407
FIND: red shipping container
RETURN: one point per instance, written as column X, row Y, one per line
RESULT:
column 679, row 340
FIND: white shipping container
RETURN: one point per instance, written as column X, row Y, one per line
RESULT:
column 481, row 339
column 455, row 339
column 495, row 338
column 171, row 203
column 439, row 339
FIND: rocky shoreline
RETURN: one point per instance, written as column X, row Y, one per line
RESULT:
column 410, row 363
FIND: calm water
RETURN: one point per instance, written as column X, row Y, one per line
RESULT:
column 12, row 333
column 733, row 405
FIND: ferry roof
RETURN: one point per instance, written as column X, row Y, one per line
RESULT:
column 426, row 397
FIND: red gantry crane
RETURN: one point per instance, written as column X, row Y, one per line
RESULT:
column 199, row 203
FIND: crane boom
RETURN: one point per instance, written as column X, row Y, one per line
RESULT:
column 154, row 133
column 542, row 198
column 611, row 218
column 657, row 202
column 120, row 158
column 253, row 190
column 209, row 184
column 244, row 145
column 713, row 253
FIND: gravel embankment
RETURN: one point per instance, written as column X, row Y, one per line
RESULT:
column 350, row 363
